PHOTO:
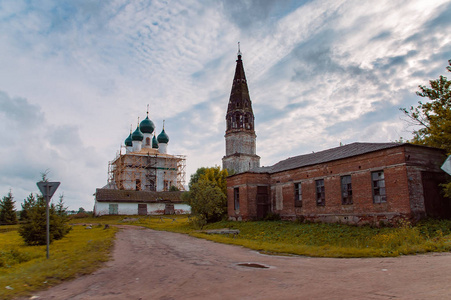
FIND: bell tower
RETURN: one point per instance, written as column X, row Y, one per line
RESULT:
column 240, row 137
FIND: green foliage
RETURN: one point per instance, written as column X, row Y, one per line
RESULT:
column 208, row 202
column 196, row 176
column 7, row 210
column 26, row 206
column 173, row 188
column 33, row 230
column 434, row 116
column 207, row 195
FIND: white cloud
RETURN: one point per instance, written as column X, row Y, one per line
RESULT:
column 75, row 75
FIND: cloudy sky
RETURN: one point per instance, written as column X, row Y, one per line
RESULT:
column 74, row 76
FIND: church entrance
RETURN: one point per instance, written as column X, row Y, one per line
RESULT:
column 263, row 205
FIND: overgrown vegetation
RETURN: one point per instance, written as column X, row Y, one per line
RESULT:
column 24, row 268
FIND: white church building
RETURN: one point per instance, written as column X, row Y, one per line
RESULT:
column 143, row 178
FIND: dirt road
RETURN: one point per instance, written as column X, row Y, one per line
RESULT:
column 150, row 264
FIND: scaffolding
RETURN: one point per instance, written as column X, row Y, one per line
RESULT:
column 141, row 171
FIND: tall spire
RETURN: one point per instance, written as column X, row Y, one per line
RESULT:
column 240, row 101
column 240, row 135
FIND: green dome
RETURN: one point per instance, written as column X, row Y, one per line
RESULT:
column 147, row 126
column 154, row 142
column 128, row 141
column 163, row 137
column 137, row 135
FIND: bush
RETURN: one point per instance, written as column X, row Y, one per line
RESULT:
column 33, row 230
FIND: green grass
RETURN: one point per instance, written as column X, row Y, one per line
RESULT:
column 25, row 268
column 313, row 239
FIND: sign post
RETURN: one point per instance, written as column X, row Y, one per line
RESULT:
column 447, row 165
column 48, row 189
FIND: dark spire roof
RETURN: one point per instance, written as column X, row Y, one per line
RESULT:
column 240, row 101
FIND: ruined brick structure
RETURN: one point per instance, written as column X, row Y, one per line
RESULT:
column 240, row 135
column 357, row 183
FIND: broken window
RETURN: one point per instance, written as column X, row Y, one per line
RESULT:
column 236, row 198
column 346, row 190
column 297, row 195
column 378, row 181
column 320, row 193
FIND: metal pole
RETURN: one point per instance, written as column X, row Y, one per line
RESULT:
column 47, row 200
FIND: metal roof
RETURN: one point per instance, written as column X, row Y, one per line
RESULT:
column 324, row 156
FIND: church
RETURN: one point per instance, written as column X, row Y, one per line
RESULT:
column 358, row 183
column 143, row 178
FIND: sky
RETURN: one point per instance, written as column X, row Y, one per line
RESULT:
column 76, row 75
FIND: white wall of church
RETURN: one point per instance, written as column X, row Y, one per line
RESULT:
column 103, row 208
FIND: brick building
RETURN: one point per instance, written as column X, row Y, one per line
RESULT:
column 356, row 183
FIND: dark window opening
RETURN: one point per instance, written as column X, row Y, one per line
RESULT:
column 138, row 184
column 236, row 198
column 378, row 180
column 346, row 190
column 320, row 193
column 147, row 141
column 297, row 195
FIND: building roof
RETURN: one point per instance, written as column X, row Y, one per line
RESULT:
column 131, row 196
column 324, row 156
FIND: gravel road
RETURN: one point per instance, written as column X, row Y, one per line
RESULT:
column 150, row 264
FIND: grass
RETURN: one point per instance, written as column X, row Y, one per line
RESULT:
column 312, row 239
column 25, row 268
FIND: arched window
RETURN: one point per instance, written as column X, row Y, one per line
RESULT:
column 147, row 141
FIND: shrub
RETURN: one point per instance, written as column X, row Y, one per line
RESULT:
column 33, row 230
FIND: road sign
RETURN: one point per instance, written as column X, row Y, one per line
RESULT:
column 48, row 192
column 447, row 165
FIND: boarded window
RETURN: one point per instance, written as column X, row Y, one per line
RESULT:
column 142, row 209
column 236, row 198
column 113, row 209
column 320, row 193
column 346, row 190
column 298, row 194
column 378, row 180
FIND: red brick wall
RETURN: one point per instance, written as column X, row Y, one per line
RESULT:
column 402, row 168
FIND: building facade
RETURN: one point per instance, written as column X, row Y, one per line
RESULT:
column 143, row 178
column 357, row 183
column 240, row 137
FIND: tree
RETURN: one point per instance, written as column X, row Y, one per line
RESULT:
column 207, row 195
column 26, row 205
column 434, row 116
column 7, row 210
column 33, row 230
